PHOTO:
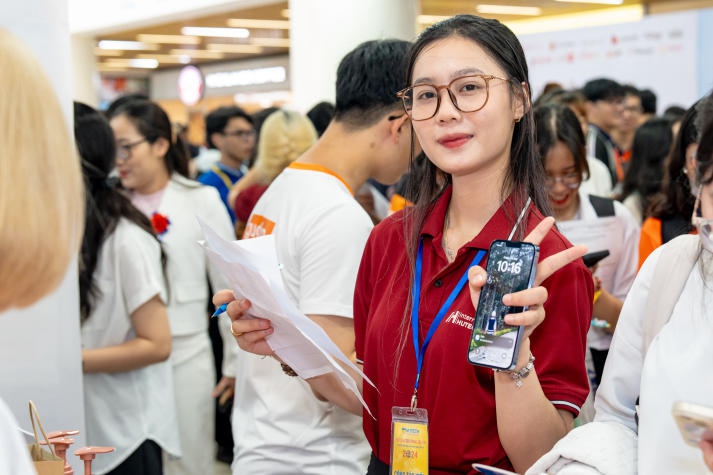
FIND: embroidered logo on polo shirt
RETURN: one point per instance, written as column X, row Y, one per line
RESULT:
column 258, row 226
column 460, row 319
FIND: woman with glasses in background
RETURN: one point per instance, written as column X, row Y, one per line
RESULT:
column 152, row 167
column 599, row 223
column 469, row 105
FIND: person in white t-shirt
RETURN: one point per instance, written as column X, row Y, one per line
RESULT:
column 41, row 204
column 126, row 339
column 599, row 223
column 279, row 426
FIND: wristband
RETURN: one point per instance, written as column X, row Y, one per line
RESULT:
column 597, row 294
column 520, row 374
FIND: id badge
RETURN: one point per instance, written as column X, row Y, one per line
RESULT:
column 409, row 441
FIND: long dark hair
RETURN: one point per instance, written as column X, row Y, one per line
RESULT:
column 525, row 175
column 152, row 123
column 105, row 205
column 675, row 197
column 652, row 144
column 558, row 123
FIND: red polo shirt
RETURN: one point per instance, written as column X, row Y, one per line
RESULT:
column 459, row 396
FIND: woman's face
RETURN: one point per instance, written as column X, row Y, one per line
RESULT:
column 140, row 164
column 463, row 143
column 561, row 171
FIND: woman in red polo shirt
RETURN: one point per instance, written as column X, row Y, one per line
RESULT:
column 469, row 102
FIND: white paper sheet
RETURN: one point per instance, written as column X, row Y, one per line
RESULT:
column 252, row 269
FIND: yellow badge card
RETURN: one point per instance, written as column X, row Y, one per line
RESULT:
column 409, row 441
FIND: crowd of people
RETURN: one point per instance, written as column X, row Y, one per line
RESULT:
column 383, row 206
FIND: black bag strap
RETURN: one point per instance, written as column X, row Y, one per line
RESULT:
column 602, row 206
column 673, row 226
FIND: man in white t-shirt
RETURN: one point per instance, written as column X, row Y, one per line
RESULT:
column 279, row 426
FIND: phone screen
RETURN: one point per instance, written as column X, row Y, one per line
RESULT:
column 511, row 268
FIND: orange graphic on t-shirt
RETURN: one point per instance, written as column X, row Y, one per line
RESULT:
column 258, row 226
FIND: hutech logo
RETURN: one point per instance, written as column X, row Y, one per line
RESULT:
column 460, row 319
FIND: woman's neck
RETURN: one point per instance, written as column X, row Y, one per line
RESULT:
column 473, row 202
column 156, row 184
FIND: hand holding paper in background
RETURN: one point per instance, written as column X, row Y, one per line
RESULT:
column 252, row 268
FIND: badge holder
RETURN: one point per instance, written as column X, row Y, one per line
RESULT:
column 409, row 441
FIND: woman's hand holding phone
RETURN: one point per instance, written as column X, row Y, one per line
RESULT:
column 534, row 297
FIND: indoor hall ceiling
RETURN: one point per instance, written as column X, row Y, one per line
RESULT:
column 176, row 49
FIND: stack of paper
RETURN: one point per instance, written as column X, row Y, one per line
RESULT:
column 252, row 268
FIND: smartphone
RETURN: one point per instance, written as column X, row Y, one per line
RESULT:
column 594, row 257
column 511, row 267
column 694, row 421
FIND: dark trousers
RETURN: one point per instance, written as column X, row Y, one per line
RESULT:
column 145, row 460
column 223, row 429
column 377, row 467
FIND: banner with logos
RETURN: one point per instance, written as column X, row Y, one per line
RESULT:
column 658, row 53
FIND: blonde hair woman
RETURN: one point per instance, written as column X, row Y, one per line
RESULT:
column 41, row 202
column 285, row 135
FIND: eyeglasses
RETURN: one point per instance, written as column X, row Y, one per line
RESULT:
column 467, row 93
column 123, row 151
column 703, row 225
column 570, row 180
column 241, row 134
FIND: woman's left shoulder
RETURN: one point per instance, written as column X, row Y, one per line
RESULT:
column 184, row 182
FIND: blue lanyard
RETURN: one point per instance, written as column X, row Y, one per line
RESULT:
column 439, row 316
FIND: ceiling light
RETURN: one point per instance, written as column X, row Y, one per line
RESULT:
column 126, row 45
column 602, row 2
column 215, row 32
column 197, row 53
column 250, row 23
column 145, row 63
column 234, row 48
column 508, row 10
column 430, row 19
column 169, row 39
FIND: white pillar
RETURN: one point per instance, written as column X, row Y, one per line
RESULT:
column 85, row 78
column 40, row 347
column 323, row 31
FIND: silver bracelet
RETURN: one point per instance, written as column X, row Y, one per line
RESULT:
column 520, row 374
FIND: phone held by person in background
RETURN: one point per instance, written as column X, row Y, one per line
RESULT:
column 593, row 257
column 511, row 268
column 694, row 421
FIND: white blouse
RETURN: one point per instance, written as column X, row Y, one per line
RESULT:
column 124, row 409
